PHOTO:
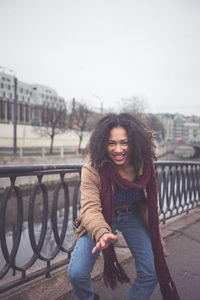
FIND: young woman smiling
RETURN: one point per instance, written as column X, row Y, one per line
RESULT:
column 119, row 192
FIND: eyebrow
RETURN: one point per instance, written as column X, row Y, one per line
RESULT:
column 120, row 140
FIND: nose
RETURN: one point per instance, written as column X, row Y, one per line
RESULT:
column 118, row 148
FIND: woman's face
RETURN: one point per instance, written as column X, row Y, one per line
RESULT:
column 118, row 150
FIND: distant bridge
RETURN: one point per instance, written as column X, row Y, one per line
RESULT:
column 196, row 147
column 180, row 149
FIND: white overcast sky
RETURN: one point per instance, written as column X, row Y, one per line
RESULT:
column 105, row 50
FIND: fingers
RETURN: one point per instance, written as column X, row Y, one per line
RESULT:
column 96, row 248
column 104, row 242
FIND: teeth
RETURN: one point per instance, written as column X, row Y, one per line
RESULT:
column 119, row 156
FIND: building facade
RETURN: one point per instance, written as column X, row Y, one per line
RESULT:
column 180, row 128
column 32, row 101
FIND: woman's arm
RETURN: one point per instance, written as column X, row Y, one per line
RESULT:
column 91, row 211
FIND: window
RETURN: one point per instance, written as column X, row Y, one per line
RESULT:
column 43, row 115
column 21, row 112
column 195, row 132
column 27, row 114
column 2, row 110
column 9, row 111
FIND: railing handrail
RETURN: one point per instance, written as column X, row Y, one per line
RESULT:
column 4, row 170
column 176, row 163
column 9, row 170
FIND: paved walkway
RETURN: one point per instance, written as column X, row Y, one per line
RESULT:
column 182, row 239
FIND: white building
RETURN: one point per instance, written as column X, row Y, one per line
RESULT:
column 30, row 99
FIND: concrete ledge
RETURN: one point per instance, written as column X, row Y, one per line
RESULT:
column 180, row 222
column 58, row 286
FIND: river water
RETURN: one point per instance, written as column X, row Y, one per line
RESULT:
column 25, row 251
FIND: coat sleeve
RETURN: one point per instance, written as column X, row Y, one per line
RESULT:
column 91, row 211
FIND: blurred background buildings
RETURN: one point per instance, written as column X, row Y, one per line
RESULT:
column 40, row 107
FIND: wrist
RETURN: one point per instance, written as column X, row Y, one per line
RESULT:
column 99, row 236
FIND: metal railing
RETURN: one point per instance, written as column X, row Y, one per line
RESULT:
column 14, row 193
column 178, row 187
column 179, row 192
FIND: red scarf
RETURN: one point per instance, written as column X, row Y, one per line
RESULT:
column 113, row 271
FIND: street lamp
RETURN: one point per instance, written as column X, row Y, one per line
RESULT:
column 101, row 103
column 15, row 117
column 14, row 110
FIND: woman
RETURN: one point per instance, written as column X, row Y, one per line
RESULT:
column 119, row 192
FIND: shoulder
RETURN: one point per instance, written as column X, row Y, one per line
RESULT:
column 90, row 173
column 87, row 168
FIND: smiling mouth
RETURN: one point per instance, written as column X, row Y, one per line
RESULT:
column 119, row 156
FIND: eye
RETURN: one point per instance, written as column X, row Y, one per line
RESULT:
column 111, row 143
column 124, row 142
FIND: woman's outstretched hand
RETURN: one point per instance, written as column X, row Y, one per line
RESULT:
column 104, row 242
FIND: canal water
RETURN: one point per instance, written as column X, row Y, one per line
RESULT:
column 25, row 251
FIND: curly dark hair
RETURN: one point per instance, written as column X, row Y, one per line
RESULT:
column 140, row 139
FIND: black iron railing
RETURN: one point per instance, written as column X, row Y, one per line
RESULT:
column 179, row 192
column 27, row 212
column 178, row 187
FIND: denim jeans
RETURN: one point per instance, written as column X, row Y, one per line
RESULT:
column 138, row 241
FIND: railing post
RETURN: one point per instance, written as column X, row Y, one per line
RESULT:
column 15, row 117
column 43, row 152
column 20, row 152
column 62, row 151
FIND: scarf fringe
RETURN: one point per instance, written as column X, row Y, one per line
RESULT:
column 169, row 291
column 114, row 273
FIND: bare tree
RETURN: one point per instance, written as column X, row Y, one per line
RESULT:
column 94, row 117
column 137, row 106
column 79, row 119
column 134, row 105
column 156, row 125
column 53, row 119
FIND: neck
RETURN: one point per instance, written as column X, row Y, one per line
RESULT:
column 124, row 167
column 126, row 171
